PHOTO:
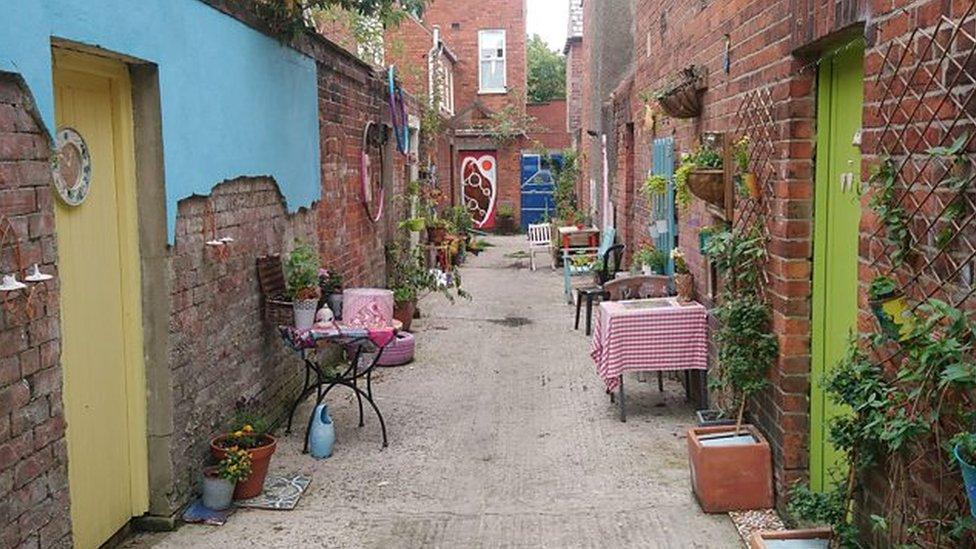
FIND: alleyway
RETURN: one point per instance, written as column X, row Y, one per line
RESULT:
column 500, row 436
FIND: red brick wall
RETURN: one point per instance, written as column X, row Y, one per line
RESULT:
column 407, row 46
column 33, row 452
column 220, row 349
column 548, row 126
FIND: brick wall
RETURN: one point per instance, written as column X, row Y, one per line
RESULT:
column 220, row 349
column 33, row 452
column 773, row 46
column 549, row 124
column 574, row 85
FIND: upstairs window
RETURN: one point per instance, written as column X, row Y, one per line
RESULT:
column 491, row 68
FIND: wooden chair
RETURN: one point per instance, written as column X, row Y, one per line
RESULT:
column 640, row 287
column 570, row 270
column 611, row 263
column 540, row 239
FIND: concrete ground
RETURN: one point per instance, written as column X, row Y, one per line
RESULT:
column 500, row 436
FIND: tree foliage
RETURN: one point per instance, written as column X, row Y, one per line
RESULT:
column 547, row 71
column 289, row 18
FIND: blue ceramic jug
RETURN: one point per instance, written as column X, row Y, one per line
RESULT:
column 321, row 438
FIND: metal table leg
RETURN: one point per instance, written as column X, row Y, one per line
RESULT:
column 623, row 411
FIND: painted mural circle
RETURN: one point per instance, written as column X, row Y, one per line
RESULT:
column 71, row 166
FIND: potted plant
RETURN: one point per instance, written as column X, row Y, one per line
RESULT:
column 302, row 272
column 249, row 432
column 220, row 480
column 650, row 260
column 330, row 286
column 684, row 283
column 731, row 465
column 505, row 219
column 748, row 183
column 705, row 235
column 964, row 451
column 404, row 305
column 890, row 307
column 809, row 537
column 701, row 174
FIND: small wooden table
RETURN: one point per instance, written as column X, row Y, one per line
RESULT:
column 591, row 233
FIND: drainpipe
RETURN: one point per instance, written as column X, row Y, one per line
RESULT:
column 433, row 55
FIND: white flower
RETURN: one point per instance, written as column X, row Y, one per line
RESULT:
column 676, row 253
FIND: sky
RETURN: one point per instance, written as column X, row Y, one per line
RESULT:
column 549, row 19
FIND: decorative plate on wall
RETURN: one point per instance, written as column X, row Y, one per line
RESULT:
column 71, row 166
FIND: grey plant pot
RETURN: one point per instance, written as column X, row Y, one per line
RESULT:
column 217, row 492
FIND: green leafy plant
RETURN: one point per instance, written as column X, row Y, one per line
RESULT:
column 409, row 275
column 747, row 348
column 547, row 71
column 651, row 257
column 302, row 272
column 680, row 264
column 288, row 19
column 564, row 194
column 654, row 185
column 459, row 218
column 882, row 286
column 739, row 256
column 506, row 210
column 886, row 204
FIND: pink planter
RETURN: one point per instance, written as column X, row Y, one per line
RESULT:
column 399, row 352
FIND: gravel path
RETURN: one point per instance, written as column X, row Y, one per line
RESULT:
column 500, row 436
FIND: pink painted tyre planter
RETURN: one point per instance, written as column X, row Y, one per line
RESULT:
column 399, row 352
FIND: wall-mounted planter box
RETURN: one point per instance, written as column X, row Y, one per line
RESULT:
column 816, row 538
column 729, row 471
column 709, row 185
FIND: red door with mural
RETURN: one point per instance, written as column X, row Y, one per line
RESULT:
column 479, row 186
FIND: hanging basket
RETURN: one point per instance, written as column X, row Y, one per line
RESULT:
column 684, row 101
column 709, row 185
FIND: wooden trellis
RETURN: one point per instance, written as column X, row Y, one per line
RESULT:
column 927, row 91
column 754, row 119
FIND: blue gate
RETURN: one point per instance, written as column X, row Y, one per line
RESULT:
column 663, row 230
column 538, row 185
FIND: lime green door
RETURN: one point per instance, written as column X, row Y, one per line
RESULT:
column 840, row 97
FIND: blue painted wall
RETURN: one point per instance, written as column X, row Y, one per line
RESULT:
column 234, row 101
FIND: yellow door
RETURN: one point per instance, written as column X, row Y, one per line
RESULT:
column 101, row 338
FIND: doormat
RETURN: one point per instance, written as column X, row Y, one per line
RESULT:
column 281, row 493
column 198, row 513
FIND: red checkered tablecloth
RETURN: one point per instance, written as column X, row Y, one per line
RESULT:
column 638, row 336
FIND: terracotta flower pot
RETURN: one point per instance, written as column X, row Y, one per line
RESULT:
column 730, row 474
column 709, row 185
column 260, row 459
column 403, row 311
column 684, row 284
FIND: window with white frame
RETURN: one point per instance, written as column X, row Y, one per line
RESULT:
column 491, row 56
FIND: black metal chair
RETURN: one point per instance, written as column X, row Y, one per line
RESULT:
column 592, row 293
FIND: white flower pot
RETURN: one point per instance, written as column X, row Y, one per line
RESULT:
column 305, row 313
column 646, row 270
column 662, row 225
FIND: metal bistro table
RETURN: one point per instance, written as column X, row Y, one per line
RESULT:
column 648, row 335
column 366, row 346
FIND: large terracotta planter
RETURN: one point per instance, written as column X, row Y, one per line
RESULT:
column 709, row 185
column 260, row 459
column 404, row 312
column 814, row 537
column 730, row 476
column 684, row 285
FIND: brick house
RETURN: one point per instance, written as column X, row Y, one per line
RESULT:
column 826, row 91
column 183, row 134
column 489, row 80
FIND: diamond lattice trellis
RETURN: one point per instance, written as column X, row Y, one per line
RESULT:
column 926, row 99
column 754, row 119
